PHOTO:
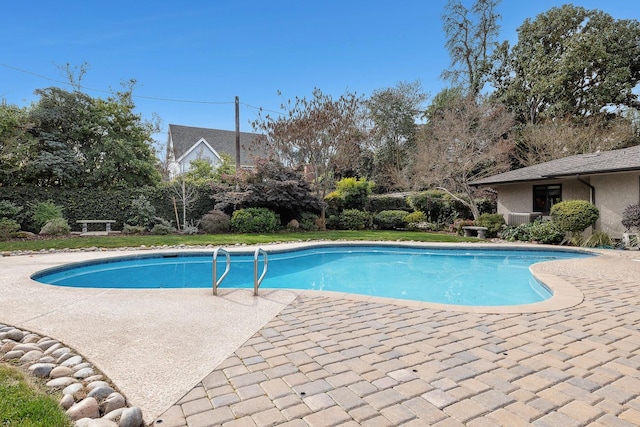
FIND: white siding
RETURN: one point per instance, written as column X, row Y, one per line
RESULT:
column 199, row 151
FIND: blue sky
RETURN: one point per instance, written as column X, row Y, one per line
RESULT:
column 210, row 51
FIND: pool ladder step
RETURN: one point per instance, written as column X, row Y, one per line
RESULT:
column 257, row 280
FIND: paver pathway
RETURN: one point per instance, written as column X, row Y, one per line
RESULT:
column 328, row 361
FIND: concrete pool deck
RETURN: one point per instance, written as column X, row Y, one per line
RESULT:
column 303, row 358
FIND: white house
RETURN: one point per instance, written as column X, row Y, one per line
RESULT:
column 188, row 143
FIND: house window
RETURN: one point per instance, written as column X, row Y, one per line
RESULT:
column 545, row 196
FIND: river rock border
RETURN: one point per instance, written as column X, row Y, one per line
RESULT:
column 89, row 398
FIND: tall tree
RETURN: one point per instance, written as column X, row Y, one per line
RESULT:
column 569, row 62
column 15, row 142
column 61, row 129
column 470, row 39
column 122, row 151
column 394, row 113
column 554, row 139
column 315, row 133
column 76, row 140
column 465, row 141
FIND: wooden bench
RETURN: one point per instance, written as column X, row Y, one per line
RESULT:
column 85, row 222
column 480, row 231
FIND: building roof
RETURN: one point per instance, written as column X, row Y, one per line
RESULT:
column 223, row 141
column 624, row 160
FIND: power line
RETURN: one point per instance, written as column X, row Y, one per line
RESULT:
column 262, row 109
column 105, row 91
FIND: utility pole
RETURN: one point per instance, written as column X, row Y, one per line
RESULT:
column 237, row 138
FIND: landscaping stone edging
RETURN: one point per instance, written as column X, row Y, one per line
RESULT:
column 88, row 397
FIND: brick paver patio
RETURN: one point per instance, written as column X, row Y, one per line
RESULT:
column 329, row 361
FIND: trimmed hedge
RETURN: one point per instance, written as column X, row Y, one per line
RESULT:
column 493, row 222
column 350, row 219
column 254, row 220
column 379, row 203
column 390, row 220
column 95, row 203
column 574, row 215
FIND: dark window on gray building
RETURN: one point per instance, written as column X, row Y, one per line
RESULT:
column 545, row 196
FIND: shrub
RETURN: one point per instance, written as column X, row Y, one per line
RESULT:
column 191, row 228
column 141, row 212
column 254, row 220
column 10, row 210
column 162, row 227
column 8, row 228
column 546, row 232
column 355, row 192
column 631, row 217
column 56, row 227
column 487, row 205
column 390, row 220
column 520, row 232
column 308, row 222
column 44, row 212
column 133, row 229
column 415, row 217
column 430, row 202
column 215, row 222
column 354, row 219
column 457, row 225
column 493, row 222
column 335, row 203
column 574, row 215
column 333, row 222
column 539, row 231
column 21, row 234
column 439, row 206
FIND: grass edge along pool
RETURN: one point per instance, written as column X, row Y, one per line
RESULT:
column 456, row 275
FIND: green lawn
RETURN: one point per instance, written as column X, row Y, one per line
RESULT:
column 23, row 402
column 121, row 241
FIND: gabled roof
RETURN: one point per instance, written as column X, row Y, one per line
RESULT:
column 200, row 144
column 222, row 141
column 624, row 160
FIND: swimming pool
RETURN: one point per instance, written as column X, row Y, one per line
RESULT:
column 463, row 276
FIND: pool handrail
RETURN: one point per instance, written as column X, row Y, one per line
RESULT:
column 216, row 281
column 257, row 281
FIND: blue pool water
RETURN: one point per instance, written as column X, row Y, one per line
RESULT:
column 477, row 277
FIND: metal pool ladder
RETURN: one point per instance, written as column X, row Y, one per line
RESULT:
column 258, row 280
column 216, row 281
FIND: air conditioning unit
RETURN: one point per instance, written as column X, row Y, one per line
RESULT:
column 518, row 218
